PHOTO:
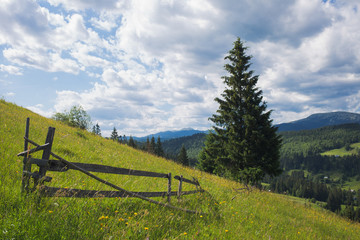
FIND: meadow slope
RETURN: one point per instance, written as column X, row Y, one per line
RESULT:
column 229, row 214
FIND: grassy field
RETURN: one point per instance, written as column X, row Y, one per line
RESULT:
column 227, row 213
column 342, row 151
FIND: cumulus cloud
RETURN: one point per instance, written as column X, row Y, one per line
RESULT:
column 10, row 69
column 157, row 64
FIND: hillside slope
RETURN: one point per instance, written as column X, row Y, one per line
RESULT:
column 230, row 214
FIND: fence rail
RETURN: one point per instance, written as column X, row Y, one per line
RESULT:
column 61, row 165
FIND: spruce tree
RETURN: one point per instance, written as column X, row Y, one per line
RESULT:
column 243, row 144
column 114, row 135
column 152, row 145
column 158, row 148
column 132, row 142
column 182, row 157
column 97, row 129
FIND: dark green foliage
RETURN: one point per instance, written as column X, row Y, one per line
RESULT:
column 334, row 200
column 77, row 117
column 132, row 142
column 193, row 145
column 96, row 129
column 244, row 145
column 158, row 148
column 151, row 146
column 114, row 135
column 309, row 142
column 182, row 157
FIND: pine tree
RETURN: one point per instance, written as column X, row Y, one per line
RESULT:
column 182, row 157
column 147, row 144
column 132, row 142
column 244, row 144
column 158, row 148
column 152, row 145
column 97, row 129
column 114, row 135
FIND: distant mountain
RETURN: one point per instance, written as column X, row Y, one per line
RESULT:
column 171, row 134
column 320, row 120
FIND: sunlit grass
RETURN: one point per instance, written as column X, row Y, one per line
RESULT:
column 228, row 214
column 342, row 151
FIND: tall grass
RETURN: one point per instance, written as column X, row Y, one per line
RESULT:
column 229, row 214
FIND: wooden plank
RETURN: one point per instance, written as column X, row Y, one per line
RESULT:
column 192, row 192
column 180, row 186
column 169, row 188
column 79, row 193
column 47, row 151
column 187, row 180
column 64, row 192
column 30, row 151
column 55, row 165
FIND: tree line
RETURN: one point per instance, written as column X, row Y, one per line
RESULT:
column 328, row 196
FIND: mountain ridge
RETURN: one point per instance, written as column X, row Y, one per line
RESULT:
column 316, row 120
column 319, row 120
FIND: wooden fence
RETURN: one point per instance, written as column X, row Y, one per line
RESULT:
column 61, row 165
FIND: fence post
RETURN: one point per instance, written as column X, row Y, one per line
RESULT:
column 180, row 187
column 169, row 188
column 45, row 156
column 26, row 162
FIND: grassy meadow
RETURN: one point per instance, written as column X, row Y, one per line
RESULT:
column 342, row 151
column 226, row 212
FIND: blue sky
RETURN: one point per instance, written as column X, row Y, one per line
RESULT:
column 149, row 66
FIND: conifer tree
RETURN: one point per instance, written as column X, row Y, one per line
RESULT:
column 182, row 157
column 147, row 144
column 244, row 144
column 132, row 142
column 152, row 145
column 97, row 129
column 114, row 135
column 158, row 148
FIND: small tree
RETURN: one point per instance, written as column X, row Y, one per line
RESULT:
column 182, row 157
column 243, row 144
column 114, row 135
column 132, row 142
column 96, row 129
column 152, row 145
column 77, row 117
column 158, row 148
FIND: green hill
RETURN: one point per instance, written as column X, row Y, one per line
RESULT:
column 230, row 214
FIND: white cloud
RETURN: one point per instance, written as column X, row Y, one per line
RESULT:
column 158, row 64
column 10, row 69
column 38, row 108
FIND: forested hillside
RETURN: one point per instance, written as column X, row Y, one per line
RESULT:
column 301, row 149
column 193, row 144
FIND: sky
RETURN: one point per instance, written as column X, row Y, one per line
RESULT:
column 155, row 65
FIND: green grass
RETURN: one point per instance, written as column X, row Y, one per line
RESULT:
column 230, row 214
column 342, row 151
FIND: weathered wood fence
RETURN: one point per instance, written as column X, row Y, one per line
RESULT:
column 61, row 165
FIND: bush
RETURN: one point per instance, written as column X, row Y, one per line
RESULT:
column 77, row 117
